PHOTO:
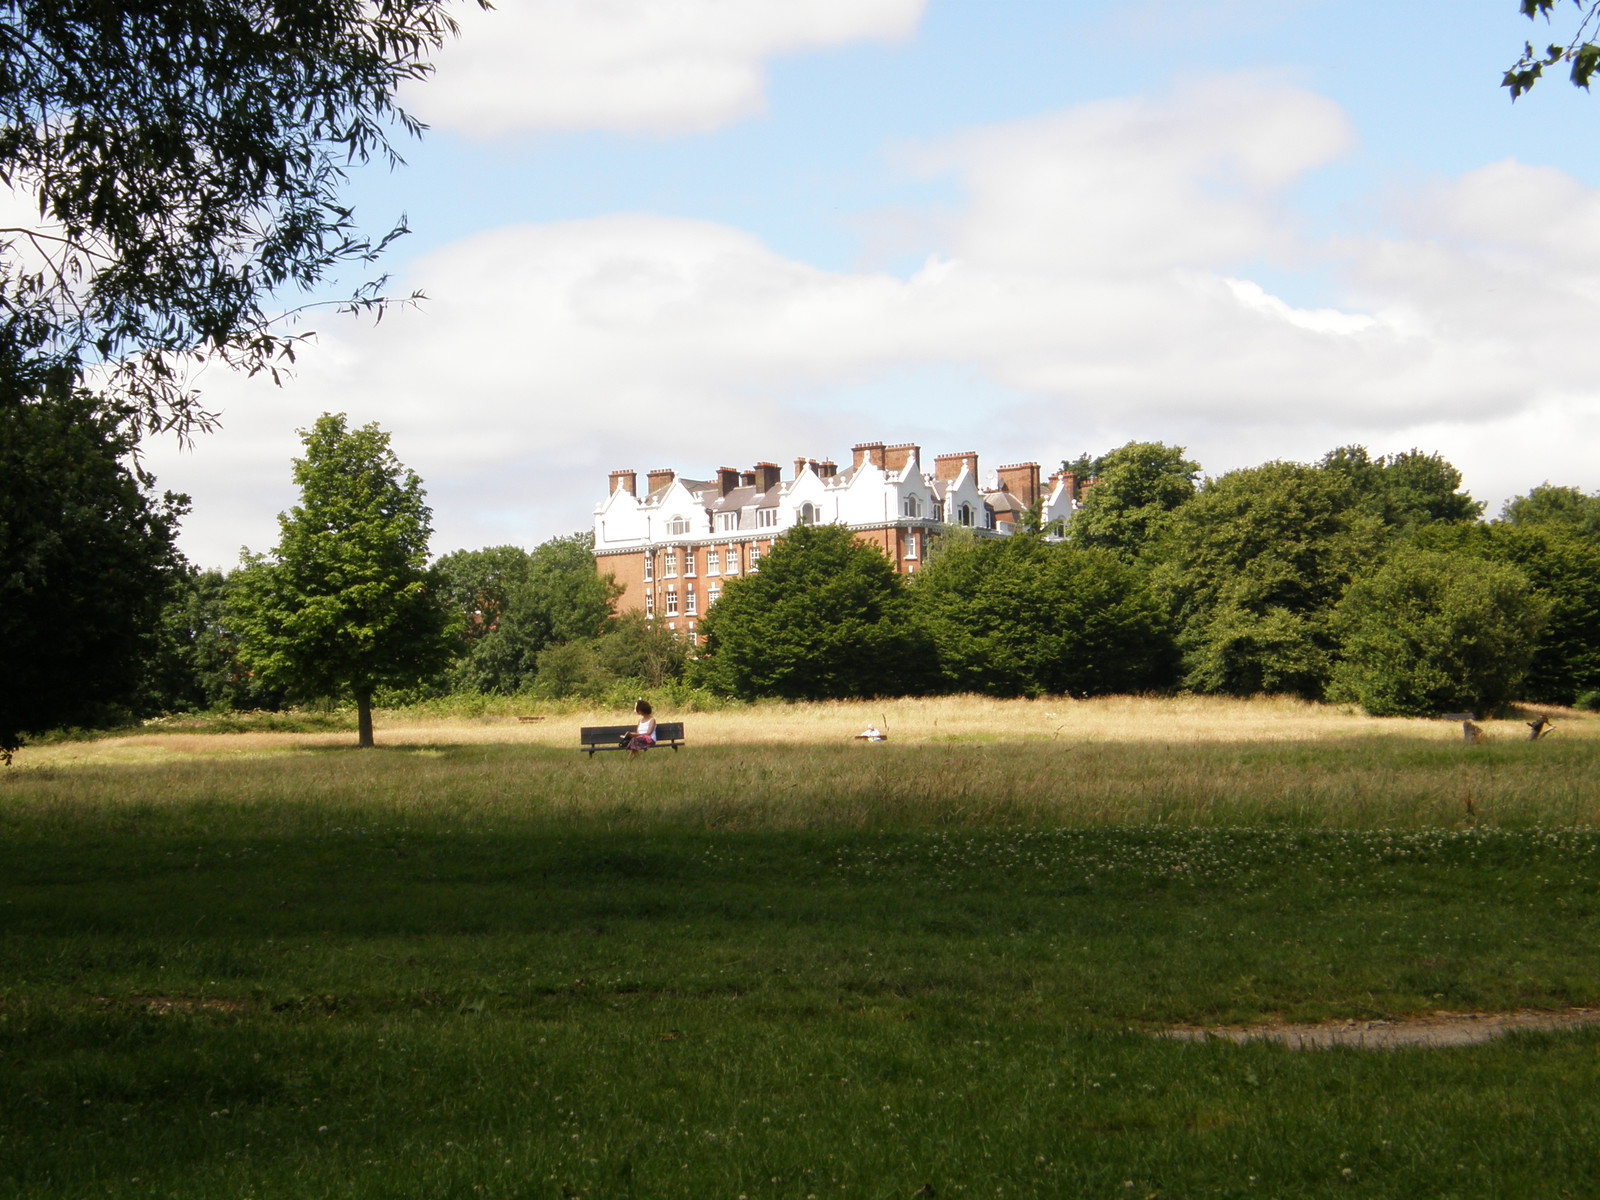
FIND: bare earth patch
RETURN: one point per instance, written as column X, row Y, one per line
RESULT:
column 1436, row 1029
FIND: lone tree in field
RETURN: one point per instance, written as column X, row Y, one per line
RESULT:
column 346, row 603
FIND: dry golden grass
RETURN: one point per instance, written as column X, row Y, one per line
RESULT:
column 948, row 720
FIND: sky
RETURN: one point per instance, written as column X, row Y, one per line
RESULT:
column 704, row 233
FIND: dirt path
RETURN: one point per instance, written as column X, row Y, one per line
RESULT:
column 1437, row 1029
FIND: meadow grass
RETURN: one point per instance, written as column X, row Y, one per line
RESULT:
column 779, row 964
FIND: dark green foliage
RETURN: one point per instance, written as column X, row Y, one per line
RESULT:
column 187, row 158
column 1083, row 468
column 194, row 664
column 556, row 597
column 1561, row 507
column 1405, row 491
column 1252, row 568
column 1430, row 632
column 1139, row 485
column 1553, row 536
column 825, row 618
column 86, row 558
column 1243, row 651
column 1019, row 616
column 633, row 648
column 345, row 604
column 1579, row 51
column 478, row 585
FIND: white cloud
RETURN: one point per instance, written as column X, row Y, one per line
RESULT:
column 1099, row 286
column 639, row 66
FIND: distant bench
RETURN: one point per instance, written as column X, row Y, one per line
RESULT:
column 596, row 738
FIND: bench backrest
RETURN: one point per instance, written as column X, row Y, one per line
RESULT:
column 599, row 735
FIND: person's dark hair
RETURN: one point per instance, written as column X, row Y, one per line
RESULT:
column 642, row 708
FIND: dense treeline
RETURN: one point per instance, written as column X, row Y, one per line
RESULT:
column 1370, row 580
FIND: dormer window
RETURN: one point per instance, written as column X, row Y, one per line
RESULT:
column 808, row 514
column 728, row 522
column 766, row 518
column 964, row 515
column 678, row 526
column 912, row 506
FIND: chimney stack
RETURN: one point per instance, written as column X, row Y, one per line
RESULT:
column 947, row 467
column 660, row 477
column 1022, row 481
column 865, row 452
column 895, row 458
column 727, row 480
column 627, row 481
column 1068, row 482
column 767, row 476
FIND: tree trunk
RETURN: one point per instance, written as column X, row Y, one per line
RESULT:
column 364, row 720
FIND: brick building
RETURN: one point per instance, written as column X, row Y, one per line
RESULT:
column 672, row 546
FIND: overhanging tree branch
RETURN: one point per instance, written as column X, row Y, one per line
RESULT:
column 186, row 159
column 1580, row 51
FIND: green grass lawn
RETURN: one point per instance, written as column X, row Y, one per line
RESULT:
column 508, row 971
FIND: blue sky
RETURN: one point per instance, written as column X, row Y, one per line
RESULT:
column 696, row 233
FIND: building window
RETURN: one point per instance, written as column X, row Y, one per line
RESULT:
column 713, row 594
column 808, row 514
column 912, row 539
column 964, row 515
column 694, row 637
column 649, row 567
column 766, row 518
column 732, row 565
column 690, row 607
column 672, row 601
column 678, row 526
column 938, row 511
column 713, row 561
column 728, row 521
column 755, row 558
column 670, row 567
column 912, row 506
column 649, row 605
column 688, row 563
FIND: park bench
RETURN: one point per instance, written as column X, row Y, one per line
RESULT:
column 595, row 738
